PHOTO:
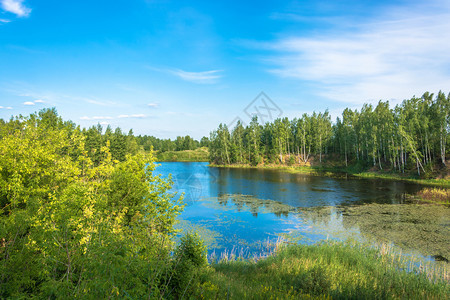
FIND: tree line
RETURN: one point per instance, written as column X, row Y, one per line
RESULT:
column 413, row 135
column 179, row 144
column 121, row 144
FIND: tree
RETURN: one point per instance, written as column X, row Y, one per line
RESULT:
column 70, row 227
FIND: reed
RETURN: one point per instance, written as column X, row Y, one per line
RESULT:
column 436, row 195
column 329, row 269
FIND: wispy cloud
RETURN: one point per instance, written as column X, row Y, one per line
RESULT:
column 153, row 105
column 97, row 102
column 103, row 118
column 136, row 116
column 16, row 7
column 39, row 101
column 7, row 107
column 96, row 118
column 204, row 77
column 28, row 103
column 397, row 56
column 4, row 21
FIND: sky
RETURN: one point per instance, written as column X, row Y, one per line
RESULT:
column 170, row 68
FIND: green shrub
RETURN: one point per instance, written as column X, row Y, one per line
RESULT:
column 190, row 256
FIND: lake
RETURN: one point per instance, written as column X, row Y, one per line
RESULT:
column 241, row 210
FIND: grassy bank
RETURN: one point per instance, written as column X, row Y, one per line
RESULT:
column 338, row 171
column 329, row 270
column 200, row 154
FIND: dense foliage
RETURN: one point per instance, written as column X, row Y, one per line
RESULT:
column 413, row 135
column 179, row 144
column 78, row 218
column 199, row 154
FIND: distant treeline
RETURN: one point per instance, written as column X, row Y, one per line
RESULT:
column 122, row 144
column 411, row 136
column 179, row 144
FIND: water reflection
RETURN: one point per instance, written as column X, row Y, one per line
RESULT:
column 243, row 207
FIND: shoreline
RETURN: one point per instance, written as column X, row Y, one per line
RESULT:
column 333, row 172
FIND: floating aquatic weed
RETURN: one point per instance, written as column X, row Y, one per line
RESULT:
column 412, row 227
column 210, row 237
column 248, row 203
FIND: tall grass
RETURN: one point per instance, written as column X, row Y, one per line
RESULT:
column 435, row 195
column 329, row 269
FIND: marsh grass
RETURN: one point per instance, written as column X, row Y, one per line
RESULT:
column 329, row 269
column 435, row 195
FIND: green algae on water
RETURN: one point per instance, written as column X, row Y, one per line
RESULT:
column 423, row 228
column 248, row 203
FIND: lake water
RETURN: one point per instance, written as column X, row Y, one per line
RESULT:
column 240, row 210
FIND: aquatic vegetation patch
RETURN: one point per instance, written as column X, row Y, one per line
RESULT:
column 248, row 203
column 210, row 237
column 424, row 228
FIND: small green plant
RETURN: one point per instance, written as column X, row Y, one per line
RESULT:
column 190, row 256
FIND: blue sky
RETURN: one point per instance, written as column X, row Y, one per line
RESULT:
column 168, row 68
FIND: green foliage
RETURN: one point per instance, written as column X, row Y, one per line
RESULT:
column 199, row 154
column 192, row 249
column 181, row 143
column 189, row 259
column 411, row 137
column 74, row 222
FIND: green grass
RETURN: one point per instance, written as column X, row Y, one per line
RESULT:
column 200, row 154
column 392, row 176
column 329, row 270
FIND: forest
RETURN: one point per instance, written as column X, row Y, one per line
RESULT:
column 410, row 137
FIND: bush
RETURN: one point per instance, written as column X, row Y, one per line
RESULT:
column 74, row 227
column 190, row 256
column 291, row 160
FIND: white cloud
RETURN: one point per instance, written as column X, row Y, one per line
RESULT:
column 8, row 107
column 103, row 118
column 4, row 21
column 96, row 118
column 153, row 105
column 138, row 116
column 397, row 56
column 16, row 7
column 206, row 77
column 31, row 103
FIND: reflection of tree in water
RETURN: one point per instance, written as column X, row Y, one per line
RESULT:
column 252, row 204
column 317, row 215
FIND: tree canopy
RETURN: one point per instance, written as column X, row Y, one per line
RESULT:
column 78, row 218
column 413, row 135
